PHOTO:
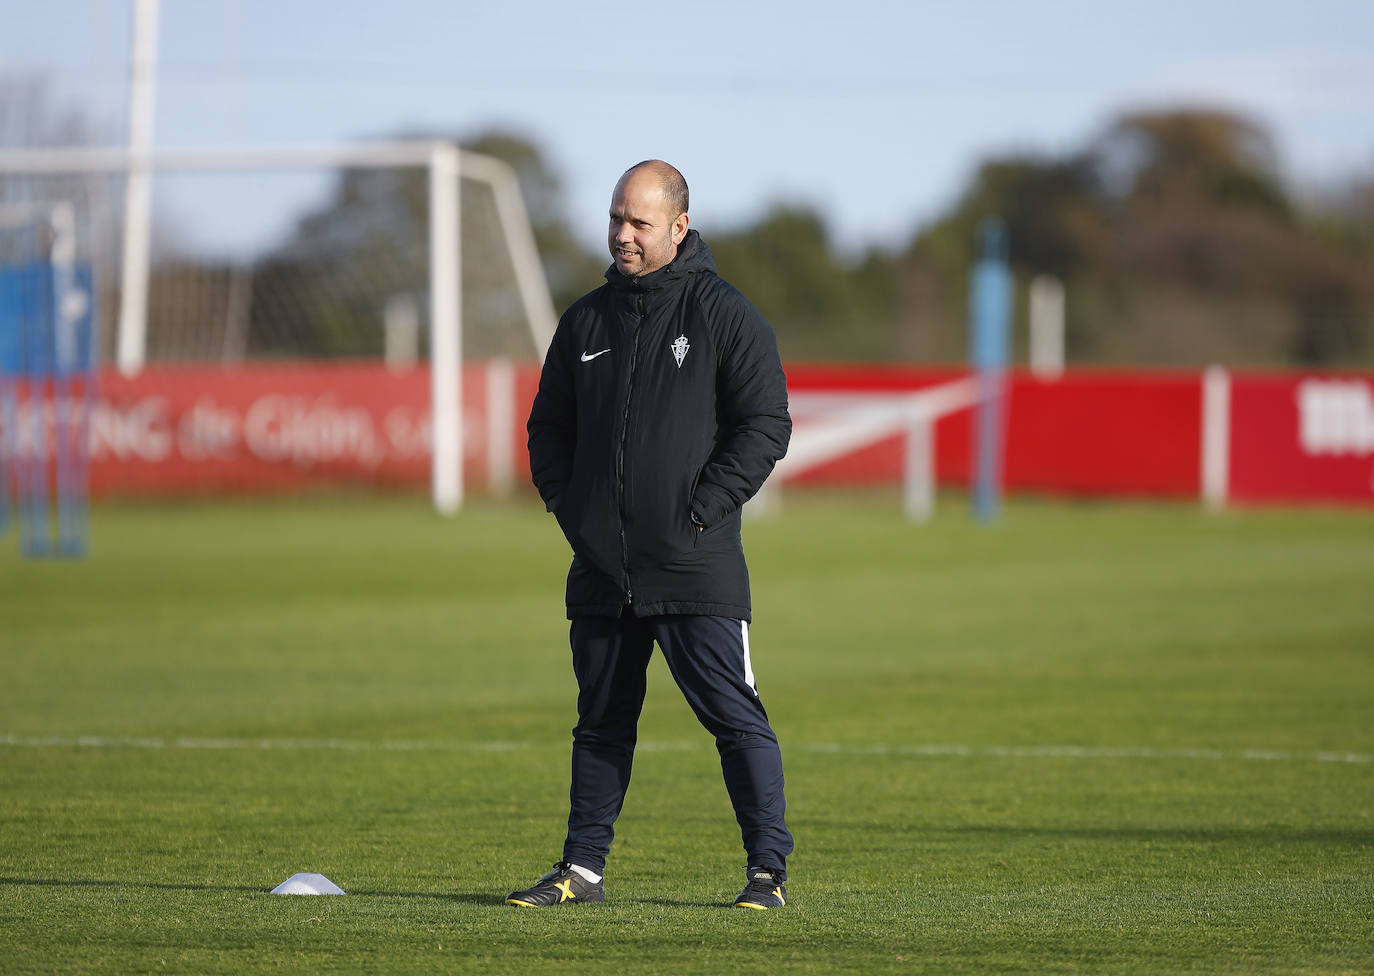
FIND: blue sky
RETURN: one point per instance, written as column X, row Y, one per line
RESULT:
column 873, row 112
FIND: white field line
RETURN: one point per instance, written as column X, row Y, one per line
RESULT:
column 825, row 748
column 1093, row 752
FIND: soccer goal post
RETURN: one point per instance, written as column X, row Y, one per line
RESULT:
column 829, row 426
column 373, row 200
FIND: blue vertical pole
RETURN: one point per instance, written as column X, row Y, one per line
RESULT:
column 73, row 391
column 9, row 377
column 6, row 449
column 35, row 506
column 990, row 307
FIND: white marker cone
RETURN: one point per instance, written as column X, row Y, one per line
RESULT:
column 307, row 884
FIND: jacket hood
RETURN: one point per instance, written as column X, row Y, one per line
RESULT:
column 693, row 257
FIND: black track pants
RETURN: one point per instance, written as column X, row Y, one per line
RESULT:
column 709, row 660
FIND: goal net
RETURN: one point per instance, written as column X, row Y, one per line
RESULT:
column 340, row 289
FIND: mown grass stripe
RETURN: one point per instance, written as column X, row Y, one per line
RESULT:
column 827, row 748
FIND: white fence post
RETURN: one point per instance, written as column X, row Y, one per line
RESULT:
column 1046, row 327
column 1216, row 437
column 501, row 421
column 919, row 479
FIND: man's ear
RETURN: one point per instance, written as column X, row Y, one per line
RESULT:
column 680, row 223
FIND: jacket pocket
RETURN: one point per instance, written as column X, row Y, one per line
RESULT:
column 587, row 529
column 564, row 514
column 697, row 531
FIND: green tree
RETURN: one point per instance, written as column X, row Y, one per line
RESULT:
column 1176, row 241
column 570, row 268
column 1190, row 158
column 821, row 307
column 323, row 292
column 1052, row 209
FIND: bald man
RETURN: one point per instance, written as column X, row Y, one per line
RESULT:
column 662, row 408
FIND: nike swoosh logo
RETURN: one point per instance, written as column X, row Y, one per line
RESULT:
column 588, row 358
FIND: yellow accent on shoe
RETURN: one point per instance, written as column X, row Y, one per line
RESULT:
column 559, row 887
column 777, row 893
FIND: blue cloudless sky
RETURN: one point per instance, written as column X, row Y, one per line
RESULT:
column 873, row 112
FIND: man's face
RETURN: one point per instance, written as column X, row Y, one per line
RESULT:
column 643, row 235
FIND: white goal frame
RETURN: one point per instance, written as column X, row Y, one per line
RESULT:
column 445, row 163
column 828, row 426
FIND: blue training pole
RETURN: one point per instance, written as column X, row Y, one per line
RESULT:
column 73, row 387
column 990, row 307
column 9, row 373
column 35, row 507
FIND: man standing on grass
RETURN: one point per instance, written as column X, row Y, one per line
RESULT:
column 662, row 407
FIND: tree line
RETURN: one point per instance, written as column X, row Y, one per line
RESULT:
column 1176, row 240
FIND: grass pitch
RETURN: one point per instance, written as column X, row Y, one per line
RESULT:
column 1101, row 739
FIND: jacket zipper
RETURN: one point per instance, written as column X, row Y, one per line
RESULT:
column 620, row 450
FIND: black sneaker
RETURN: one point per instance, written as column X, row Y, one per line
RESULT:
column 558, row 887
column 766, row 889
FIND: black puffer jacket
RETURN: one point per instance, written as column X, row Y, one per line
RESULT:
column 662, row 406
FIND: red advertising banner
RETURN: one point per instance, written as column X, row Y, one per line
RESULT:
column 1302, row 438
column 266, row 428
column 1108, row 432
column 270, row 428
column 1105, row 433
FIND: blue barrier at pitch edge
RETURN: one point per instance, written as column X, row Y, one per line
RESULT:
column 44, row 354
